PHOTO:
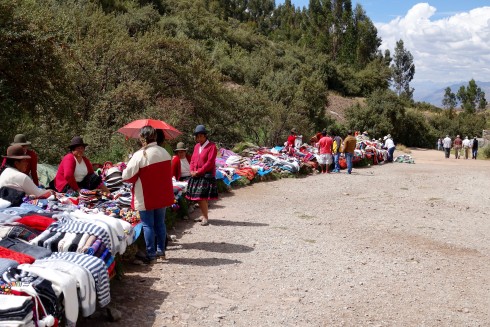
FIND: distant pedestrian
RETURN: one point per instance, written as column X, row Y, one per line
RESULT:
column 390, row 146
column 458, row 145
column 439, row 144
column 466, row 147
column 474, row 148
column 350, row 143
column 446, row 143
column 325, row 152
column 337, row 144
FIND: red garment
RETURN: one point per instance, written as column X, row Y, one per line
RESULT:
column 176, row 172
column 291, row 139
column 36, row 222
column 16, row 256
column 31, row 166
column 325, row 145
column 246, row 172
column 65, row 174
column 204, row 162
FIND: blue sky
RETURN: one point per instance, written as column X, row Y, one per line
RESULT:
column 449, row 39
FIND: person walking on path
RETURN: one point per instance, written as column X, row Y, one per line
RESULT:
column 446, row 143
column 439, row 144
column 466, row 147
column 325, row 151
column 350, row 143
column 474, row 148
column 337, row 143
column 202, row 184
column 458, row 145
column 149, row 170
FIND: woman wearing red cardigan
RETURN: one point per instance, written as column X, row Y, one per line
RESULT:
column 202, row 185
column 181, row 163
column 76, row 172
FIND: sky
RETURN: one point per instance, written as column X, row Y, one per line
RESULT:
column 449, row 39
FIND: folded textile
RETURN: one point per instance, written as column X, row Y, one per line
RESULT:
column 94, row 247
column 14, row 255
column 5, row 264
column 15, row 230
column 100, row 250
column 34, row 251
column 74, row 244
column 38, row 222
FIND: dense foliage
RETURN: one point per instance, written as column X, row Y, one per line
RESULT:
column 249, row 70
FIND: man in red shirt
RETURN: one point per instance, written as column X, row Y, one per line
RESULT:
column 325, row 152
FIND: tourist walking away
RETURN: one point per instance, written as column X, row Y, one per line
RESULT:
column 14, row 182
column 337, row 143
column 348, row 150
column 458, row 145
column 447, row 143
column 202, row 184
column 390, row 146
column 325, row 152
column 439, row 144
column 76, row 172
column 149, row 170
column 466, row 147
column 474, row 148
column 181, row 161
column 31, row 169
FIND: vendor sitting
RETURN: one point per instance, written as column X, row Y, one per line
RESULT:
column 181, row 163
column 76, row 172
column 13, row 173
column 31, row 169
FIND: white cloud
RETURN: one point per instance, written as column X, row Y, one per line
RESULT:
column 456, row 48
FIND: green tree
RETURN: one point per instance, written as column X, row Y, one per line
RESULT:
column 403, row 71
column 471, row 97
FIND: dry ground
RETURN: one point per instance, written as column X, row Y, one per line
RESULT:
column 390, row 245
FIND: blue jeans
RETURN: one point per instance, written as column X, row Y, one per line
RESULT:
column 154, row 226
column 474, row 154
column 390, row 154
column 348, row 158
column 336, row 158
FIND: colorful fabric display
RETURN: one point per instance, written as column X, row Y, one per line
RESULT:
column 15, row 230
column 14, row 255
column 5, row 264
column 34, row 251
column 15, row 310
column 94, row 247
column 67, row 225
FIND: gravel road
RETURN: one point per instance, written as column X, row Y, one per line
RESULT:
column 390, row 245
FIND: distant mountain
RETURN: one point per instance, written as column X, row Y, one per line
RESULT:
column 433, row 92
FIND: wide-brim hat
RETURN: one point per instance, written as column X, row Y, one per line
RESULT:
column 200, row 129
column 20, row 139
column 385, row 138
column 76, row 141
column 293, row 130
column 180, row 147
column 16, row 152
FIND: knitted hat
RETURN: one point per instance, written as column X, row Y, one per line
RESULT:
column 180, row 147
column 16, row 152
column 21, row 140
column 200, row 129
column 76, row 141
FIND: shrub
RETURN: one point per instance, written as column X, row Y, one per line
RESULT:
column 485, row 152
column 402, row 148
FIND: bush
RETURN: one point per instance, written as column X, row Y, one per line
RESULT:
column 485, row 152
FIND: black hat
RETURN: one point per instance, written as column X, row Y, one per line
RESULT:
column 200, row 129
column 16, row 151
column 76, row 141
column 21, row 140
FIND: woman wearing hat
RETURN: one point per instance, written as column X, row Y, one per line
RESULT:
column 31, row 170
column 202, row 184
column 181, row 169
column 13, row 173
column 76, row 172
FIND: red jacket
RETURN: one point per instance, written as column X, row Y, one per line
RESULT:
column 66, row 170
column 176, row 172
column 204, row 162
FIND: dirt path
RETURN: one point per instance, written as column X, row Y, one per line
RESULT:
column 391, row 245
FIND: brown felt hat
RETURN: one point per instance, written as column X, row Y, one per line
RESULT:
column 16, row 151
column 76, row 141
column 20, row 139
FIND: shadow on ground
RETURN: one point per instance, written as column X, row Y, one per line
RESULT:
column 218, row 247
column 210, row 262
column 222, row 222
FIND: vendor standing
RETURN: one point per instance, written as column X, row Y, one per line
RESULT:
column 181, row 169
column 13, row 173
column 202, row 184
column 31, row 169
column 75, row 171
column 149, row 170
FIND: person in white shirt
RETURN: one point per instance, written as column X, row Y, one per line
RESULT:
column 181, row 169
column 390, row 146
column 466, row 147
column 446, row 144
column 13, row 174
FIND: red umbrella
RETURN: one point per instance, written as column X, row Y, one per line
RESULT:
column 133, row 129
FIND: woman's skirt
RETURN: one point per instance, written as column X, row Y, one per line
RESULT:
column 202, row 188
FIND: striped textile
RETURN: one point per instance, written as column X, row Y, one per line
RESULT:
column 66, row 225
